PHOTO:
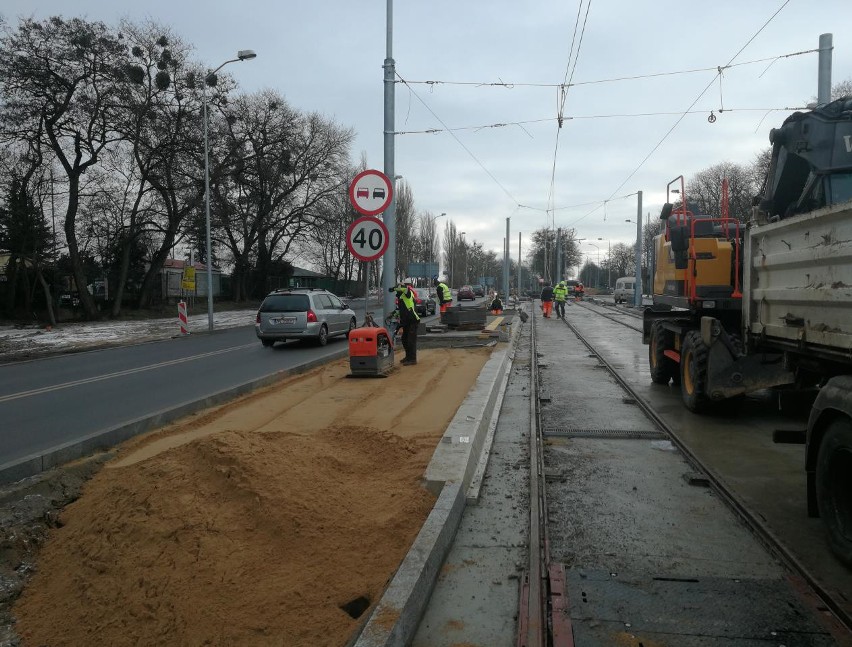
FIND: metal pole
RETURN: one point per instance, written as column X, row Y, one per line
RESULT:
column 637, row 291
column 558, row 276
column 207, row 211
column 518, row 282
column 506, row 267
column 824, row 74
column 389, row 278
column 366, row 267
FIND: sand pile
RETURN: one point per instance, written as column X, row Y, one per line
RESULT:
column 256, row 523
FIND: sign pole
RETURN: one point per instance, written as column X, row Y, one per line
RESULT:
column 366, row 267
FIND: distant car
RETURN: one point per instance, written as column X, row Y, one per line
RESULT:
column 624, row 289
column 424, row 306
column 303, row 313
column 465, row 292
column 478, row 290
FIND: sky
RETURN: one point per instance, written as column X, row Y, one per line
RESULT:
column 327, row 56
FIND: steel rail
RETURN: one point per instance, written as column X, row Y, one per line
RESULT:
column 763, row 533
column 532, row 620
column 610, row 317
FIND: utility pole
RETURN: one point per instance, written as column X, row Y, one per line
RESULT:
column 824, row 73
column 518, row 282
column 637, row 291
column 558, row 276
column 506, row 267
column 389, row 216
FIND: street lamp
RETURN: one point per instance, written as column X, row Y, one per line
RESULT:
column 242, row 55
column 464, row 247
column 608, row 262
column 597, row 265
column 432, row 231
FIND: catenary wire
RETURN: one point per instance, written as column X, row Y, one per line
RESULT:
column 680, row 118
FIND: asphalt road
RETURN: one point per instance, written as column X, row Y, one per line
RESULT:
column 58, row 408
column 48, row 403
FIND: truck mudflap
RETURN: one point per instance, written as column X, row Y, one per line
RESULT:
column 728, row 377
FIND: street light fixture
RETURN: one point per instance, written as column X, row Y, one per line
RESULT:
column 242, row 55
column 597, row 265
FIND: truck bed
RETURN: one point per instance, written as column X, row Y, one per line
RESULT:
column 798, row 283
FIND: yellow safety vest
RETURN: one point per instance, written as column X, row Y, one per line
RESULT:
column 560, row 292
column 408, row 301
column 446, row 293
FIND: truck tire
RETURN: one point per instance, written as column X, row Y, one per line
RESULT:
column 662, row 368
column 834, row 487
column 693, row 372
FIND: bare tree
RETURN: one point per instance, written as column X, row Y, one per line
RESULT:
column 63, row 83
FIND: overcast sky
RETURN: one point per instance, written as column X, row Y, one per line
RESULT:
column 327, row 55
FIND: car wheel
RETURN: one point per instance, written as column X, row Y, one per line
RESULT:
column 322, row 338
column 352, row 326
column 267, row 342
column 833, row 479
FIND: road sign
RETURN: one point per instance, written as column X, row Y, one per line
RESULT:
column 367, row 238
column 371, row 192
column 188, row 279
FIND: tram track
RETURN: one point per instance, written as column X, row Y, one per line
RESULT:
column 760, row 530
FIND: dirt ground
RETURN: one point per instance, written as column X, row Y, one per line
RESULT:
column 268, row 521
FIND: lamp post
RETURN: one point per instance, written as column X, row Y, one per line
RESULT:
column 597, row 265
column 242, row 55
column 464, row 248
column 608, row 262
column 432, row 244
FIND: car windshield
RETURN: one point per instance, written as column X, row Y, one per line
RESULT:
column 285, row 303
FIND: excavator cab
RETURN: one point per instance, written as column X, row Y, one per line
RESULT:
column 698, row 262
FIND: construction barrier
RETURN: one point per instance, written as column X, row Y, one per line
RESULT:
column 184, row 329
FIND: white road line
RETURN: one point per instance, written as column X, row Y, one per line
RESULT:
column 89, row 380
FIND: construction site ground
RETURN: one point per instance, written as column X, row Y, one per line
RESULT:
column 276, row 519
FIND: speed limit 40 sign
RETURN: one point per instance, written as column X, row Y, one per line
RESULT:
column 367, row 238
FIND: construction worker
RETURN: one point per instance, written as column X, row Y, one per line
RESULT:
column 560, row 293
column 496, row 305
column 579, row 290
column 409, row 320
column 445, row 295
column 546, row 300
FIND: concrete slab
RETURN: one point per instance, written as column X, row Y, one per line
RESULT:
column 396, row 616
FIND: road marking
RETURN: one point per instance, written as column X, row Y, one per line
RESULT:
column 131, row 371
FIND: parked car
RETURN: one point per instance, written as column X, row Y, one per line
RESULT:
column 424, row 306
column 624, row 289
column 303, row 313
column 478, row 290
column 465, row 292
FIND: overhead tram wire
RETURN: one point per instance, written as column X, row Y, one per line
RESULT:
column 510, row 85
column 460, row 143
column 433, row 131
column 563, row 94
column 692, row 105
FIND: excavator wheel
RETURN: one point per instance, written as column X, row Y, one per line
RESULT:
column 662, row 368
column 693, row 372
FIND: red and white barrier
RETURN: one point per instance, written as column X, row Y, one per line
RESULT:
column 184, row 329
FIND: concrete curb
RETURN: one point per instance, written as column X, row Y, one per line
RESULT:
column 395, row 618
column 107, row 438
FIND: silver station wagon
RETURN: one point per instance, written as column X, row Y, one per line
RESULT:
column 303, row 313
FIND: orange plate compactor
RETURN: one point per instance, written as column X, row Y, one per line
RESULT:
column 370, row 352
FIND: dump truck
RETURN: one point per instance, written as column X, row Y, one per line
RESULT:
column 767, row 303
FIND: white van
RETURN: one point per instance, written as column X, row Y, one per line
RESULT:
column 624, row 289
